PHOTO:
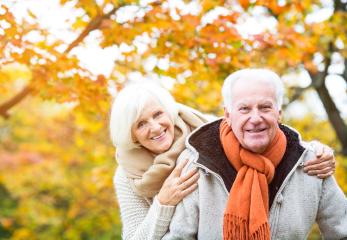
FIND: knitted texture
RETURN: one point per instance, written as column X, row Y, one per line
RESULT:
column 141, row 218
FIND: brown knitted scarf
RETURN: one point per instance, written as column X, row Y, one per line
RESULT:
column 246, row 213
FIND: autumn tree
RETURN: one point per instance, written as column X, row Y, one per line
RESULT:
column 199, row 52
column 300, row 42
column 192, row 45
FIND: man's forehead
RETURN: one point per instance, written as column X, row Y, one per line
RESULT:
column 256, row 85
column 246, row 100
column 252, row 79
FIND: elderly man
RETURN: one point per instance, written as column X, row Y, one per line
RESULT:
column 252, row 184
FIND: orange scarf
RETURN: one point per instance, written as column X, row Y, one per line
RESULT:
column 246, row 213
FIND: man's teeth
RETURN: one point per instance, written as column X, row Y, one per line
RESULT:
column 256, row 130
column 157, row 137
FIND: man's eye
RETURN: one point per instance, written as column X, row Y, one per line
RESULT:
column 243, row 109
column 266, row 107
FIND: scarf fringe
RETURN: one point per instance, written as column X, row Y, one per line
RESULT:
column 238, row 228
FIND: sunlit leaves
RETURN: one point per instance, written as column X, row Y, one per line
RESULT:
column 208, row 5
column 63, row 164
column 311, row 129
column 57, row 142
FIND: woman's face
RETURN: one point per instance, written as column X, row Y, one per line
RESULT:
column 154, row 129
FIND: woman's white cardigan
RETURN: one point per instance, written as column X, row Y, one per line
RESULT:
column 142, row 218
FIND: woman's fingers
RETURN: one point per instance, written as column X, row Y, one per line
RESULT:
column 190, row 181
column 178, row 169
column 324, row 158
column 320, row 171
column 176, row 187
column 319, row 166
column 319, row 148
column 188, row 175
column 327, row 152
column 322, row 150
column 189, row 190
column 322, row 176
column 309, row 163
column 323, row 154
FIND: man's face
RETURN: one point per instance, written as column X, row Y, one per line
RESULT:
column 254, row 115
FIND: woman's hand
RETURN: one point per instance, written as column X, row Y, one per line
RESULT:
column 176, row 187
column 324, row 165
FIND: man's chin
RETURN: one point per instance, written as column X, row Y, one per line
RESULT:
column 256, row 148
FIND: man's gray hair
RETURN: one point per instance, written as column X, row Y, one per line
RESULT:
column 129, row 104
column 254, row 74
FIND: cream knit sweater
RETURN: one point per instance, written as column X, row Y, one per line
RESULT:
column 142, row 218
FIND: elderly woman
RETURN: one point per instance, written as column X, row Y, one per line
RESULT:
column 149, row 130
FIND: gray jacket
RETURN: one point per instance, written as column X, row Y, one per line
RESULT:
column 297, row 200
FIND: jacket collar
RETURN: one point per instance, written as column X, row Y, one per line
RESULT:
column 205, row 140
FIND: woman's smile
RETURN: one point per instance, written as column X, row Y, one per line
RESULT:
column 154, row 129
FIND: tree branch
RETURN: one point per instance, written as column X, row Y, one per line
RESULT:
column 340, row 6
column 318, row 79
column 93, row 25
column 298, row 91
column 6, row 106
column 338, row 124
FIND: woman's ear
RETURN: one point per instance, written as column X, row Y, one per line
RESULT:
column 133, row 138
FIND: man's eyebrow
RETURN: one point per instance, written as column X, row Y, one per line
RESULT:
column 241, row 105
column 266, row 102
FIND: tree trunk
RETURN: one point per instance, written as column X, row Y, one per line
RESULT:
column 344, row 74
column 334, row 115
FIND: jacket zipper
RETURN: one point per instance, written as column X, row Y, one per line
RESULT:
column 284, row 183
column 215, row 175
column 275, row 207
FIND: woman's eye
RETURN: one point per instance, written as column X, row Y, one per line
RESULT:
column 141, row 124
column 158, row 114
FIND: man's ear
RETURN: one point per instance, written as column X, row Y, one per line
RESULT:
column 279, row 116
column 227, row 116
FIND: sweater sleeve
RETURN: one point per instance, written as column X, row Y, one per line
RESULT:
column 140, row 219
column 332, row 212
column 185, row 222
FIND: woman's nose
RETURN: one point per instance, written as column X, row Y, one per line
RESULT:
column 155, row 126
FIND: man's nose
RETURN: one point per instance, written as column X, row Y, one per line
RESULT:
column 255, row 117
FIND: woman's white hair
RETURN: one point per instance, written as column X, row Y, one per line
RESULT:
column 252, row 73
column 129, row 104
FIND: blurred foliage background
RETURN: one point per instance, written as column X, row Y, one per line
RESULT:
column 56, row 159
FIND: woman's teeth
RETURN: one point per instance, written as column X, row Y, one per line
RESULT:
column 157, row 137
